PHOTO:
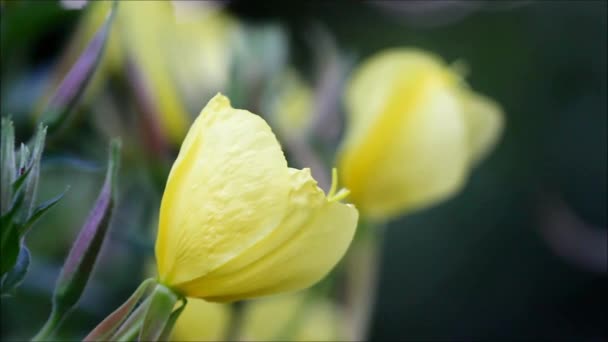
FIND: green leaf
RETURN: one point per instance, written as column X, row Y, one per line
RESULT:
column 166, row 334
column 81, row 259
column 18, row 183
column 110, row 324
column 10, row 249
column 40, row 211
column 24, row 158
column 15, row 276
column 75, row 82
column 7, row 221
column 7, row 164
column 31, row 184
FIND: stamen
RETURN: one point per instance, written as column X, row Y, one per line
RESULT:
column 334, row 183
column 340, row 195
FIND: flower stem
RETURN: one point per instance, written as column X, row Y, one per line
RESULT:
column 52, row 323
column 362, row 278
column 236, row 322
column 158, row 313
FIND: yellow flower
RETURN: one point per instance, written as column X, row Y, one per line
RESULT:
column 181, row 49
column 293, row 317
column 235, row 222
column 202, row 321
column 291, row 108
column 415, row 130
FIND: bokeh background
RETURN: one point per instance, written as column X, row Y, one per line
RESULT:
column 516, row 255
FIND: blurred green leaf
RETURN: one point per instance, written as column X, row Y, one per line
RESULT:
column 9, row 247
column 75, row 82
column 31, row 183
column 7, row 162
column 40, row 211
column 15, row 276
column 18, row 183
column 166, row 334
column 110, row 324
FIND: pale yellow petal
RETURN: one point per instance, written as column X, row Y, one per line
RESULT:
column 147, row 27
column 374, row 80
column 309, row 241
column 202, row 321
column 484, row 121
column 227, row 190
column 413, row 152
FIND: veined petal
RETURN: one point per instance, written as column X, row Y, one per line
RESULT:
column 227, row 190
column 309, row 241
column 146, row 27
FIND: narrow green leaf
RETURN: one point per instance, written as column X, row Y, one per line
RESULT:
column 10, row 250
column 15, row 276
column 166, row 334
column 40, row 211
column 110, row 324
column 75, row 82
column 31, row 184
column 7, row 164
column 84, row 252
column 24, row 157
column 8, row 219
column 18, row 183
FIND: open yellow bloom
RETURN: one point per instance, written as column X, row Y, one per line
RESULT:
column 236, row 222
column 414, row 132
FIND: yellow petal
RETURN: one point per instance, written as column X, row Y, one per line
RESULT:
column 226, row 191
column 406, row 146
column 147, row 27
column 484, row 120
column 307, row 244
column 291, row 110
column 202, row 321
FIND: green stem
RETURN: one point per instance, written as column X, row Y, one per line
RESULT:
column 158, row 313
column 362, row 279
column 236, row 322
column 52, row 323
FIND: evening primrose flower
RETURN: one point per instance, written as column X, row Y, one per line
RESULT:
column 415, row 130
column 236, row 222
column 290, row 108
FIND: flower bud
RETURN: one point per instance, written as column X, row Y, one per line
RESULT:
column 236, row 222
column 415, row 130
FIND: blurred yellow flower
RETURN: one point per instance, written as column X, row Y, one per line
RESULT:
column 291, row 107
column 181, row 49
column 202, row 321
column 292, row 317
column 414, row 132
column 236, row 222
